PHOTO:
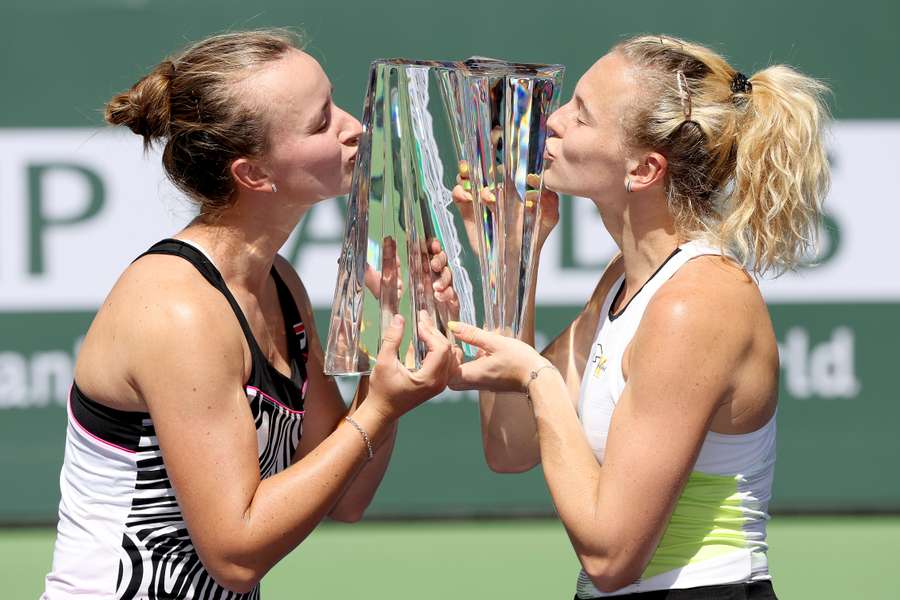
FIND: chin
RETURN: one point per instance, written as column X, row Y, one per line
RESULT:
column 551, row 183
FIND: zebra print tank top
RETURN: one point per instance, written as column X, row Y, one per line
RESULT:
column 121, row 533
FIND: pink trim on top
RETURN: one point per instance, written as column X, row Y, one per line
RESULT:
column 274, row 401
column 84, row 429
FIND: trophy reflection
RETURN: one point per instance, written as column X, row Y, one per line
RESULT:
column 408, row 246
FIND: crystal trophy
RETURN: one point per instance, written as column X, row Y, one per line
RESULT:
column 422, row 122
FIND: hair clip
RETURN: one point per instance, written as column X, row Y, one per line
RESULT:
column 740, row 84
column 684, row 93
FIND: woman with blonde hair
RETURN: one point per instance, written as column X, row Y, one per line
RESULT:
column 653, row 413
column 204, row 441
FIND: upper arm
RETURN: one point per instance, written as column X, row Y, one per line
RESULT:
column 680, row 362
column 324, row 405
column 188, row 366
column 570, row 349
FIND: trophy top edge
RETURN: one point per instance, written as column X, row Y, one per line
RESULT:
column 480, row 65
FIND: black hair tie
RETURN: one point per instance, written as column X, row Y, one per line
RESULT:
column 740, row 84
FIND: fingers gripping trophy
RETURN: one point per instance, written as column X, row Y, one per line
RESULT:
column 413, row 248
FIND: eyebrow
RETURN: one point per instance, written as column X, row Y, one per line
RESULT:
column 583, row 107
column 330, row 93
column 324, row 108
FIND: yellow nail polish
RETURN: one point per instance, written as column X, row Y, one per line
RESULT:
column 454, row 326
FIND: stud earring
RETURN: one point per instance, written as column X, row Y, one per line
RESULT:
column 274, row 189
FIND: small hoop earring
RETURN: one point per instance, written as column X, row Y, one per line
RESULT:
column 628, row 185
column 274, row 189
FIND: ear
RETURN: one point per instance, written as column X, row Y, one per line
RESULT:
column 250, row 175
column 647, row 173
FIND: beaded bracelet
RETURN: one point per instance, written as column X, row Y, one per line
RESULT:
column 370, row 452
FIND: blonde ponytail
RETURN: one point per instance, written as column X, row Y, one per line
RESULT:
column 746, row 162
column 781, row 171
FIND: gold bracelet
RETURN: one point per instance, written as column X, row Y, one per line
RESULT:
column 534, row 374
column 370, row 452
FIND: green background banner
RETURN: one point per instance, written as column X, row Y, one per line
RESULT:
column 838, row 413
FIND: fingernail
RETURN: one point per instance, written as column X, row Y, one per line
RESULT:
column 423, row 315
column 397, row 321
column 533, row 180
column 463, row 168
column 466, row 185
column 454, row 326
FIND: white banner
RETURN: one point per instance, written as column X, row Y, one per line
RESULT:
column 78, row 204
column 858, row 260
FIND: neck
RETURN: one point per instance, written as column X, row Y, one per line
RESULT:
column 645, row 233
column 244, row 239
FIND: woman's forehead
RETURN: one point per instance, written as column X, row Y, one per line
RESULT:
column 609, row 80
column 297, row 73
column 295, row 82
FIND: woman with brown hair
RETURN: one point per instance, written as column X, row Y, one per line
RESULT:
column 653, row 413
column 204, row 441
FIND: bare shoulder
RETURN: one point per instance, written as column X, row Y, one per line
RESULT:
column 161, row 312
column 710, row 286
column 169, row 288
column 710, row 300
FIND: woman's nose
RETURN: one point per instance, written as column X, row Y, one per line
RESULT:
column 351, row 128
column 554, row 123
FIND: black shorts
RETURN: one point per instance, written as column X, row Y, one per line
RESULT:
column 757, row 590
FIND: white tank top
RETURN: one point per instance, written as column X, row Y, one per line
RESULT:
column 717, row 532
column 121, row 533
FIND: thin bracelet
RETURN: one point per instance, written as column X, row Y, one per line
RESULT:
column 370, row 453
column 534, row 374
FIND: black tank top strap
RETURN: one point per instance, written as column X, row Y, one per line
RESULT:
column 295, row 329
column 288, row 305
column 214, row 277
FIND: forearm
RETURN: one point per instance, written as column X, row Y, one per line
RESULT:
column 286, row 507
column 570, row 467
column 509, row 435
column 359, row 494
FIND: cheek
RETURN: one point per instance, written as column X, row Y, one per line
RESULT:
column 588, row 162
column 580, row 148
column 319, row 157
column 313, row 164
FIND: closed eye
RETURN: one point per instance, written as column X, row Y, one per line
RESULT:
column 326, row 120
